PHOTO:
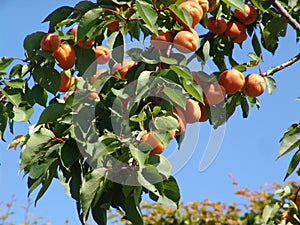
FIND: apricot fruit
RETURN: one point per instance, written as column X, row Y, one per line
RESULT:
column 186, row 41
column 98, row 73
column 93, row 95
column 123, row 68
column 248, row 17
column 65, row 82
column 214, row 93
column 181, row 121
column 172, row 133
column 236, row 31
column 157, row 146
column 81, row 43
column 113, row 25
column 216, row 25
column 65, row 56
column 192, row 112
column 232, row 81
column 213, row 4
column 194, row 9
column 254, row 85
column 50, row 42
column 162, row 40
column 204, row 5
column 203, row 117
column 102, row 54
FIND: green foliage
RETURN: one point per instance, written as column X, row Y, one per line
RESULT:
column 94, row 145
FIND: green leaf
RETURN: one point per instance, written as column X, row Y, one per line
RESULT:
column 22, row 112
column 147, row 13
column 166, row 123
column 47, row 77
column 182, row 15
column 18, row 83
column 256, row 45
column 32, row 43
column 99, row 214
column 53, row 112
column 161, row 163
column 182, row 72
column 237, row 4
column 91, row 184
column 288, row 144
column 119, row 48
column 245, row 106
column 193, row 89
column 5, row 62
column 152, row 176
column 88, row 20
column 14, row 96
column 176, row 95
column 3, row 120
column 293, row 164
column 40, row 95
column 171, row 190
column 271, row 84
column 139, row 155
column 205, row 50
column 58, row 15
column 85, row 62
column 132, row 211
column 69, row 153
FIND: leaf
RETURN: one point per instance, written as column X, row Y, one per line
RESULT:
column 99, row 214
column 5, row 62
column 119, row 48
column 69, row 153
column 256, row 45
column 193, row 89
column 288, row 144
column 85, row 62
column 22, row 112
column 171, row 189
column 53, row 112
column 166, row 123
column 147, row 13
column 3, row 120
column 182, row 15
column 237, row 4
column 58, row 15
column 16, row 141
column 132, row 211
column 40, row 95
column 47, row 77
column 271, row 84
column 18, row 83
column 293, row 164
column 182, row 71
column 176, row 95
column 161, row 163
column 90, row 186
column 245, row 106
column 205, row 50
column 88, row 20
column 32, row 43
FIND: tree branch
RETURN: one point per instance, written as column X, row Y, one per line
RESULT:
column 285, row 13
column 282, row 66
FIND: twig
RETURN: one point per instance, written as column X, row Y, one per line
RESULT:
column 283, row 65
column 285, row 13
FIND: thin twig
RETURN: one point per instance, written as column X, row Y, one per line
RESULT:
column 286, row 14
column 283, row 65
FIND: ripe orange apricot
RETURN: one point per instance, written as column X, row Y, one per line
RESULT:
column 213, row 4
column 65, row 82
column 123, row 68
column 102, row 54
column 192, row 112
column 172, row 133
column 181, row 121
column 98, row 73
column 236, row 31
column 162, row 40
column 248, row 17
column 216, row 25
column 194, row 9
column 203, row 117
column 204, row 5
column 214, row 94
column 232, row 81
column 254, row 85
column 81, row 42
column 186, row 41
column 65, row 56
column 157, row 146
column 50, row 42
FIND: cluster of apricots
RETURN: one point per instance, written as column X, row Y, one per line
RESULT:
column 65, row 56
column 234, row 29
column 185, row 40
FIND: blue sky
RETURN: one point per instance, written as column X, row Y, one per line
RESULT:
column 248, row 151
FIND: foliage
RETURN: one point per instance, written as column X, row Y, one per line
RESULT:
column 93, row 145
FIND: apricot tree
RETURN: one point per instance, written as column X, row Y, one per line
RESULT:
column 109, row 112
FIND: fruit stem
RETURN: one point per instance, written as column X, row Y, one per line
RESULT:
column 285, row 13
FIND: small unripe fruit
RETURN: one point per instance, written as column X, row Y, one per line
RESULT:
column 81, row 42
column 216, row 25
column 194, row 9
column 162, row 40
column 65, row 82
column 248, row 17
column 50, row 42
column 236, row 31
column 186, row 41
column 65, row 56
column 214, row 94
column 232, row 81
column 157, row 146
column 254, row 85
column 102, row 54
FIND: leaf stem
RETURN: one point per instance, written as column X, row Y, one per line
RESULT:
column 286, row 14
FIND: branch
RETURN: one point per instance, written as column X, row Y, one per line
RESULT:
column 283, row 65
column 285, row 13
